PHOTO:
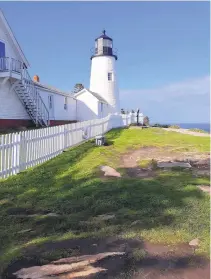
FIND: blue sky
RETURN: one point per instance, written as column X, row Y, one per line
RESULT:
column 163, row 50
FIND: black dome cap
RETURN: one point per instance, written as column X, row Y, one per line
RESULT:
column 104, row 36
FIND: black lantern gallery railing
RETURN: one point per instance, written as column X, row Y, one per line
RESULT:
column 105, row 51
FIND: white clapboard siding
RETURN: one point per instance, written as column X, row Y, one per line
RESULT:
column 19, row 151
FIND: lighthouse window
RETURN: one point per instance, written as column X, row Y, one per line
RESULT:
column 109, row 76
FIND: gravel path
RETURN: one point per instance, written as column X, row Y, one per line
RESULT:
column 185, row 131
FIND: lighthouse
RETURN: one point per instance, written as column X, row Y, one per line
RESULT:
column 103, row 79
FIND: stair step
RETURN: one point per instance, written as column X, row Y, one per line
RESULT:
column 24, row 94
column 32, row 108
column 29, row 101
column 20, row 88
column 27, row 98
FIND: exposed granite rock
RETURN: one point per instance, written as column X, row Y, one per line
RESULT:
column 173, row 165
column 72, row 267
column 108, row 171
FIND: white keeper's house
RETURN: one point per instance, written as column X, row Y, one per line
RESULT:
column 25, row 101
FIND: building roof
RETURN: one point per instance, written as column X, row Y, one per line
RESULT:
column 12, row 36
column 96, row 95
column 53, row 89
column 104, row 36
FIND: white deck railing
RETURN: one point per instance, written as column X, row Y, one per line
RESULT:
column 8, row 64
column 20, row 151
column 41, row 114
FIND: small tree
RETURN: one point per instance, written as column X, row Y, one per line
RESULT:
column 132, row 111
column 146, row 121
column 78, row 87
column 122, row 111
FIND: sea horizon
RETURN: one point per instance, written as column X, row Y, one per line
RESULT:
column 202, row 126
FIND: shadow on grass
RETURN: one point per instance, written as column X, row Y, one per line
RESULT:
column 154, row 204
column 113, row 135
column 137, row 262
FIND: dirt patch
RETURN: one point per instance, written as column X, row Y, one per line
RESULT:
column 204, row 188
column 188, row 132
column 201, row 167
column 134, row 259
column 199, row 162
column 130, row 161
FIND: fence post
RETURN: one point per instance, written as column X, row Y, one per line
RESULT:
column 14, row 153
column 90, row 130
column 22, row 153
column 102, row 121
column 130, row 118
column 65, row 138
column 122, row 120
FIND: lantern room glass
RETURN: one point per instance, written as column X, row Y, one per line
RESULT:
column 107, row 43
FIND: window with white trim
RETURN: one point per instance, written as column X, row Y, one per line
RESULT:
column 65, row 103
column 110, row 76
column 50, row 101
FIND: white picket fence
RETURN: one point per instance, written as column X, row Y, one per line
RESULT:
column 19, row 151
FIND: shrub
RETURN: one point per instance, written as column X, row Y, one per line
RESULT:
column 154, row 164
column 138, row 254
column 160, row 125
column 198, row 130
column 145, row 163
column 174, row 126
column 146, row 121
column 148, row 163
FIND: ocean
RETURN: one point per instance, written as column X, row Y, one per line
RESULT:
column 202, row 126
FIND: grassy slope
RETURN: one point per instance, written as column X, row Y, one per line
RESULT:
column 171, row 209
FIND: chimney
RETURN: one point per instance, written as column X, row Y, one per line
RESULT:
column 36, row 78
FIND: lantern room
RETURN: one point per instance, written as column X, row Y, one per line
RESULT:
column 104, row 46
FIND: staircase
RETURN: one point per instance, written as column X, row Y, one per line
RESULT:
column 26, row 90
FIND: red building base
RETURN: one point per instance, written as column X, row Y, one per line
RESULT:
column 15, row 123
column 18, row 123
column 61, row 122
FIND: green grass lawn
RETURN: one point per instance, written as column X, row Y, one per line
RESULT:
column 169, row 206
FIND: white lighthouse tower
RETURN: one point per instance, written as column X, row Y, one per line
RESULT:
column 103, row 78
